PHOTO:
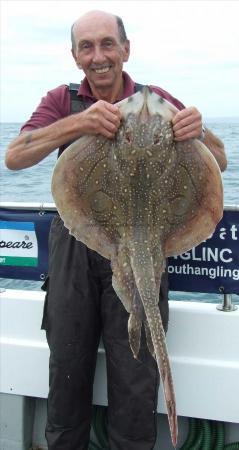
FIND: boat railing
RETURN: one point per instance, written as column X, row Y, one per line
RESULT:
column 211, row 267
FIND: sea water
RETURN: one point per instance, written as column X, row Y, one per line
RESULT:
column 33, row 185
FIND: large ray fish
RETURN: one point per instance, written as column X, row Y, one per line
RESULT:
column 136, row 200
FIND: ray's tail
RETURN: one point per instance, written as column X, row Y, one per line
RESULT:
column 135, row 324
column 143, row 270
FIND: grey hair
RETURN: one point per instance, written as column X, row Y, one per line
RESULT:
column 121, row 29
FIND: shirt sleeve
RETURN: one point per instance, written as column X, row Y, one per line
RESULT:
column 54, row 106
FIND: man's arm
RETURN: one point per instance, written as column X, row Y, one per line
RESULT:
column 29, row 148
column 187, row 124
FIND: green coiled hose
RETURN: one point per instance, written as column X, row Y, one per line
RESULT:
column 93, row 446
column 219, row 439
column 192, row 430
column 193, row 427
column 232, row 446
column 202, row 434
column 100, row 426
column 207, row 435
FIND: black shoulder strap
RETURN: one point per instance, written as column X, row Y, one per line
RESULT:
column 77, row 103
column 74, row 87
column 138, row 87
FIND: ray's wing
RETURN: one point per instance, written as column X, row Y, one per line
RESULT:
column 84, row 187
column 196, row 199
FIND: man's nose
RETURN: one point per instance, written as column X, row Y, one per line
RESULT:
column 98, row 55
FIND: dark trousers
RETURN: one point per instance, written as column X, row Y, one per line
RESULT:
column 80, row 307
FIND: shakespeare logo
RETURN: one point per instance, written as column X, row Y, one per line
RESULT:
column 18, row 244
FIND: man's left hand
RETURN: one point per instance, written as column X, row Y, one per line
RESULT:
column 187, row 124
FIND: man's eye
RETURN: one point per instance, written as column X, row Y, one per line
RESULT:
column 107, row 44
column 84, row 46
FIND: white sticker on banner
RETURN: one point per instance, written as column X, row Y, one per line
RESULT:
column 18, row 244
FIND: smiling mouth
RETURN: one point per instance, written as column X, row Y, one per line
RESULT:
column 101, row 70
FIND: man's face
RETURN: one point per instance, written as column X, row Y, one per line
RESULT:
column 99, row 51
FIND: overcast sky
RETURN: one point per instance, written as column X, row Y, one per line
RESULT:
column 190, row 48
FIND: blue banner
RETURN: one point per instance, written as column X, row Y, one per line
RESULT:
column 211, row 267
column 24, row 243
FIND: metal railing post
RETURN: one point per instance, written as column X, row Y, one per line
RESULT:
column 227, row 304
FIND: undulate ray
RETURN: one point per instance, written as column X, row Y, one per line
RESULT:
column 136, row 200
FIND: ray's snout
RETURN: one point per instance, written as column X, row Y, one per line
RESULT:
column 145, row 104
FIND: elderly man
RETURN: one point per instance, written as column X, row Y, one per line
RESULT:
column 81, row 304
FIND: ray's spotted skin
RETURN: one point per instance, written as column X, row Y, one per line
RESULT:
column 136, row 200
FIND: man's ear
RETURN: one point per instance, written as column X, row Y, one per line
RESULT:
column 75, row 58
column 126, row 50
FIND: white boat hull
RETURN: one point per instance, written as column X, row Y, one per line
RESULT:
column 203, row 348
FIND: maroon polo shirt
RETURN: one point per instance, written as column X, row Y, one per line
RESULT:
column 56, row 104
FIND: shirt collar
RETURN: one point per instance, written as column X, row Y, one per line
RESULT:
column 85, row 91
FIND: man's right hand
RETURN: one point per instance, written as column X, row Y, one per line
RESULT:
column 100, row 118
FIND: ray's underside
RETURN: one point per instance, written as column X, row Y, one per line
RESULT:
column 136, row 200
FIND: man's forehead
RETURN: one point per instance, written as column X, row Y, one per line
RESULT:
column 92, row 25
